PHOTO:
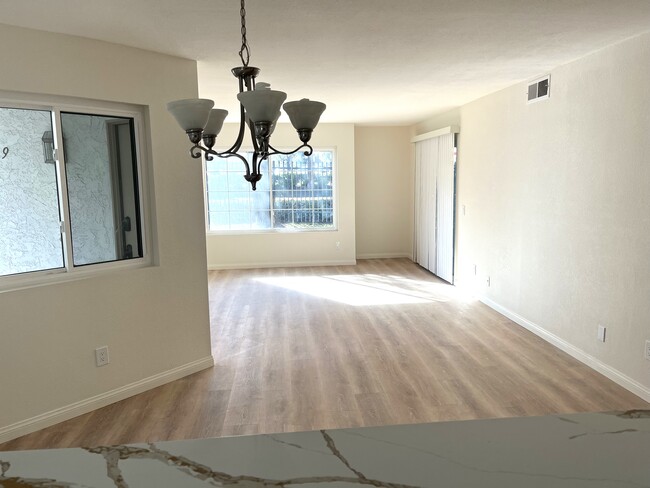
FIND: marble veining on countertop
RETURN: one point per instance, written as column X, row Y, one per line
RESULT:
column 577, row 450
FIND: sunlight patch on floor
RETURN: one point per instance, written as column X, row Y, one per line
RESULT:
column 367, row 289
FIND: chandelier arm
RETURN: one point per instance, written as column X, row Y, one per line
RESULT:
column 227, row 154
column 255, row 164
column 261, row 158
column 196, row 151
column 256, row 146
column 240, row 136
column 308, row 152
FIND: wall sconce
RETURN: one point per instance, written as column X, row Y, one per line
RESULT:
column 48, row 147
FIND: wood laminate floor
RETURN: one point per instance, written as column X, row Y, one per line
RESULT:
column 383, row 342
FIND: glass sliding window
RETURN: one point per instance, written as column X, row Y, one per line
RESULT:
column 102, row 181
column 69, row 191
column 296, row 193
column 30, row 233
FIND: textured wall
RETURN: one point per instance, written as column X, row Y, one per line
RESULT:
column 438, row 122
column 384, row 191
column 558, row 204
column 29, row 212
column 88, row 173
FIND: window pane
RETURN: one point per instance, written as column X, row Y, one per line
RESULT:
column 235, row 165
column 30, row 236
column 218, row 201
column 217, row 164
column 282, row 218
column 324, row 218
column 302, row 200
column 322, row 199
column 310, row 180
column 240, row 220
column 239, row 201
column 217, row 181
column 219, row 221
column 260, row 200
column 261, row 219
column 102, row 178
column 265, row 183
column 236, row 181
column 282, row 200
column 292, row 189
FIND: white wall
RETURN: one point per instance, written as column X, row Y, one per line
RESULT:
column 452, row 117
column 296, row 248
column 154, row 320
column 557, row 195
column 384, row 191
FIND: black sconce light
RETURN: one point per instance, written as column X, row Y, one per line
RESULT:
column 48, row 147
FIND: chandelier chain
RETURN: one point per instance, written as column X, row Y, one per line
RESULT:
column 244, row 52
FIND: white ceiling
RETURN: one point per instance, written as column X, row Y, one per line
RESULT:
column 371, row 61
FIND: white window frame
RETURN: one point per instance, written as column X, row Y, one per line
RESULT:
column 70, row 272
column 284, row 230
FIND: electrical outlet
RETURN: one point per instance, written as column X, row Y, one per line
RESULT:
column 475, row 270
column 602, row 331
column 338, row 245
column 647, row 350
column 488, row 281
column 101, row 356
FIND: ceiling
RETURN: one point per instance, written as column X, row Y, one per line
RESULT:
column 371, row 61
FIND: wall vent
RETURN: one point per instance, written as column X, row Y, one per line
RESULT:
column 540, row 89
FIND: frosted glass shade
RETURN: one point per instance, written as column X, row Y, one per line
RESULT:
column 191, row 113
column 305, row 113
column 215, row 122
column 262, row 104
column 273, row 124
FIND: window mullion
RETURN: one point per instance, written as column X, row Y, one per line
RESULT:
column 62, row 183
column 271, row 206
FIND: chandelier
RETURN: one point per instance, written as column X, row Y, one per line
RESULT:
column 259, row 112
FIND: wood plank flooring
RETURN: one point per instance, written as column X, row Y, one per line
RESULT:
column 383, row 342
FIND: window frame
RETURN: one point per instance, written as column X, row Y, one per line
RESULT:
column 272, row 230
column 70, row 272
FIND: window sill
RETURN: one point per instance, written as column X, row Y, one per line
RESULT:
column 61, row 275
column 268, row 231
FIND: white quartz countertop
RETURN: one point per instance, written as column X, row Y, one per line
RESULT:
column 580, row 450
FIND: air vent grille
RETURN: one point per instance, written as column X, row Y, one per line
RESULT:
column 539, row 89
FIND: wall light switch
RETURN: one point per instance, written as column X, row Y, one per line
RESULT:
column 601, row 333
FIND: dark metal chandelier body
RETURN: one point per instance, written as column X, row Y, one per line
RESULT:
column 259, row 112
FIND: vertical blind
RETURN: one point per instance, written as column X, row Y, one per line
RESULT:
column 434, row 205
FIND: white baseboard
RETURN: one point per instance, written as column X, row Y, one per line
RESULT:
column 594, row 363
column 58, row 415
column 282, row 264
column 385, row 255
